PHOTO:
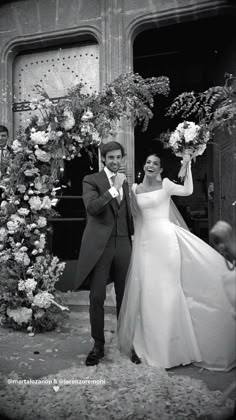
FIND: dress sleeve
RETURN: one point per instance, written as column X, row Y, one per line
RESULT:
column 176, row 189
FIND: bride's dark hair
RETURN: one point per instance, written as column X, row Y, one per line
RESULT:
column 153, row 154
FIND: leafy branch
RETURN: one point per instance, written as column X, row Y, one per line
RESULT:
column 215, row 107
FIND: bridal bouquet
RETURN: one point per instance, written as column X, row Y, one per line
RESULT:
column 188, row 141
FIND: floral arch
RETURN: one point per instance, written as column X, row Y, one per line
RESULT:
column 28, row 272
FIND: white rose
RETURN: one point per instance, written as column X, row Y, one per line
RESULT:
column 17, row 146
column 3, row 234
column 23, row 211
column 42, row 222
column 42, row 155
column 21, row 188
column 39, row 137
column 46, row 203
column 35, row 203
column 69, row 121
column 20, row 315
column 30, row 285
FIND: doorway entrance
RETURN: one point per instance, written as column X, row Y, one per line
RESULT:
column 195, row 56
column 57, row 69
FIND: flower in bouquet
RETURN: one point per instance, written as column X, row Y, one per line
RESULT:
column 43, row 299
column 20, row 315
column 28, row 285
column 42, row 222
column 42, row 155
column 21, row 188
column 31, row 172
column 35, row 203
column 188, row 141
column 3, row 205
column 46, row 203
column 21, row 258
column 39, row 314
column 69, row 120
column 88, row 115
column 40, row 244
column 17, row 218
column 78, row 139
column 3, row 234
column 23, row 211
column 96, row 138
column 12, row 226
column 39, row 137
column 17, row 146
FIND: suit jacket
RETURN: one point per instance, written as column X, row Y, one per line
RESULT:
column 101, row 209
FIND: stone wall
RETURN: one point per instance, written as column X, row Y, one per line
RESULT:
column 32, row 24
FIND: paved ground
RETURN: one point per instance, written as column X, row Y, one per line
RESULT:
column 50, row 352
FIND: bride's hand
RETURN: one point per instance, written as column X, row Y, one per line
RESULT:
column 186, row 158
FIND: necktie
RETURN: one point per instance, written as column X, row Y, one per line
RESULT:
column 118, row 198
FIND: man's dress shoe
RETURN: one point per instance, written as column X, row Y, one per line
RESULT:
column 94, row 356
column 134, row 358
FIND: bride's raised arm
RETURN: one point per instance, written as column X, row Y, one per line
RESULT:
column 177, row 189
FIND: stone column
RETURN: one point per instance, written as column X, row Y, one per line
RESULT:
column 116, row 58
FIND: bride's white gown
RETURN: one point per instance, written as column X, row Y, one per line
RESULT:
column 175, row 309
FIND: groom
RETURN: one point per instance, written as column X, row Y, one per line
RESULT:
column 106, row 243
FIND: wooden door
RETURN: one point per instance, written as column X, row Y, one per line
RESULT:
column 224, row 175
column 55, row 70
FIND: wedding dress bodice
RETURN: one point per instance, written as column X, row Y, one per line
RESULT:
column 154, row 205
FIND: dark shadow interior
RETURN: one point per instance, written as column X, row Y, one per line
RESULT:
column 67, row 231
column 195, row 56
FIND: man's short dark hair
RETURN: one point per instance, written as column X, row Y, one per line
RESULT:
column 110, row 146
column 3, row 129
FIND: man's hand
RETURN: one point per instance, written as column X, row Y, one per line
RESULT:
column 118, row 182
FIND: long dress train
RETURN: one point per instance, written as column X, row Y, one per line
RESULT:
column 175, row 309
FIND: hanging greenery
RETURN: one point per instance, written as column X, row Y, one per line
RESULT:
column 214, row 108
column 57, row 132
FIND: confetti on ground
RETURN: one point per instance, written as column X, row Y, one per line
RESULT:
column 123, row 391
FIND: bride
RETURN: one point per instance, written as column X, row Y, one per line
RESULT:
column 175, row 310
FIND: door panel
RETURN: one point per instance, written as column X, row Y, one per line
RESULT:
column 55, row 71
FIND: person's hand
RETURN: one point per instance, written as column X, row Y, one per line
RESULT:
column 187, row 158
column 118, row 182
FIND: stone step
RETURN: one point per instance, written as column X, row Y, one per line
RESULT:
column 81, row 298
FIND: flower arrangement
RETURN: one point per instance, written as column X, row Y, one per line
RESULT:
column 188, row 141
column 57, row 132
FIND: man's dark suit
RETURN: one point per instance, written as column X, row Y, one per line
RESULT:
column 105, row 248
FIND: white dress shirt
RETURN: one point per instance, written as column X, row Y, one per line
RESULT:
column 113, row 191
